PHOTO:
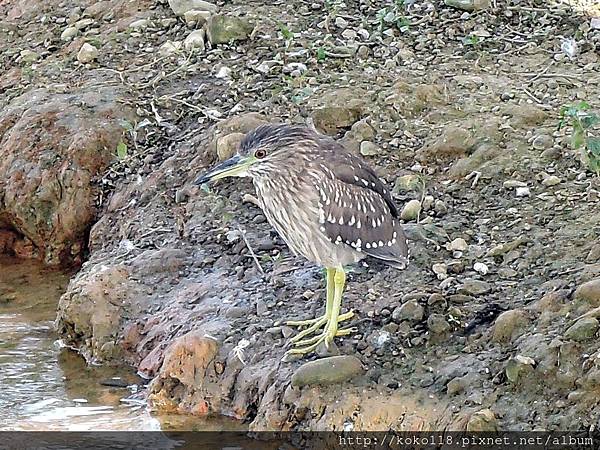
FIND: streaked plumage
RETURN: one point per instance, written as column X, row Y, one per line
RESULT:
column 326, row 203
column 323, row 184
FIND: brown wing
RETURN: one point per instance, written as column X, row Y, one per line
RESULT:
column 357, row 209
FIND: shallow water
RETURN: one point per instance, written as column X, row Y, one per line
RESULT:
column 48, row 387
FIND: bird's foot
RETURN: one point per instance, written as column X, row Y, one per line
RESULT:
column 326, row 338
column 315, row 324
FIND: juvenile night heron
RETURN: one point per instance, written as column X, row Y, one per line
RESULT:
column 327, row 204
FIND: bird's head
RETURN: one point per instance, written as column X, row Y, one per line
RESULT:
column 266, row 150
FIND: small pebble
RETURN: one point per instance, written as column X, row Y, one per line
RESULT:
column 411, row 210
column 551, row 180
column 481, row 268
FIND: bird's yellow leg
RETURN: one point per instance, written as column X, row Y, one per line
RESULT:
column 331, row 328
column 318, row 322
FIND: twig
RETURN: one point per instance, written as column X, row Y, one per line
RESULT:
column 532, row 97
column 555, row 75
column 189, row 105
column 337, row 55
column 542, row 72
column 251, row 251
column 156, row 230
column 161, row 75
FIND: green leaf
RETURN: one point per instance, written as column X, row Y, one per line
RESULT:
column 471, row 40
column 589, row 120
column 402, row 23
column 321, row 54
column 582, row 106
column 578, row 139
column 593, row 146
column 126, row 125
column 285, row 31
column 572, row 110
column 122, row 150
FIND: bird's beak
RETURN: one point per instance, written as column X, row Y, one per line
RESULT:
column 233, row 167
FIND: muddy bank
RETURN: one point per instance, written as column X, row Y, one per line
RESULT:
column 492, row 325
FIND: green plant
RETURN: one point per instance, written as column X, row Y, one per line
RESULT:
column 122, row 150
column 472, row 40
column 301, row 95
column 582, row 120
column 285, row 32
column 393, row 16
column 321, row 55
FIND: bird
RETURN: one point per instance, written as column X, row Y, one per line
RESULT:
column 327, row 204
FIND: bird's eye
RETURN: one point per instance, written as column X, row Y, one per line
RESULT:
column 260, row 153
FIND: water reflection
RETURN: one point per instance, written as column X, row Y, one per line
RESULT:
column 48, row 387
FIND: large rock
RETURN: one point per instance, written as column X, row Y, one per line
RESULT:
column 92, row 309
column 413, row 100
column 583, row 329
column 454, row 142
column 93, row 312
column 482, row 421
column 227, row 135
column 525, row 114
column 87, row 53
column 468, row 5
column 589, row 292
column 339, row 109
column 51, row 148
column 224, row 29
column 186, row 363
column 509, row 325
column 332, row 370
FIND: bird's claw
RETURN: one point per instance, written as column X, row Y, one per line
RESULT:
column 325, row 337
column 315, row 324
column 320, row 337
column 311, row 344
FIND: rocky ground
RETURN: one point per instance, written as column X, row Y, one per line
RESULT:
column 109, row 111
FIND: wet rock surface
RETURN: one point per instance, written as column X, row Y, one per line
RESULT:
column 191, row 286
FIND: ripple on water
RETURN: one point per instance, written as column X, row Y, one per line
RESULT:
column 40, row 380
column 48, row 387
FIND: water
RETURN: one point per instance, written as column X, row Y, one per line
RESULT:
column 48, row 387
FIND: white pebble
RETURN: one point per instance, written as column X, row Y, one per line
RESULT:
column 481, row 268
column 341, row 22
column 441, row 271
column 224, row 73
column 523, row 192
column 458, row 244
column 510, row 184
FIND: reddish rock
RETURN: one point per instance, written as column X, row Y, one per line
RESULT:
column 52, row 146
column 93, row 308
column 150, row 365
column 186, row 362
